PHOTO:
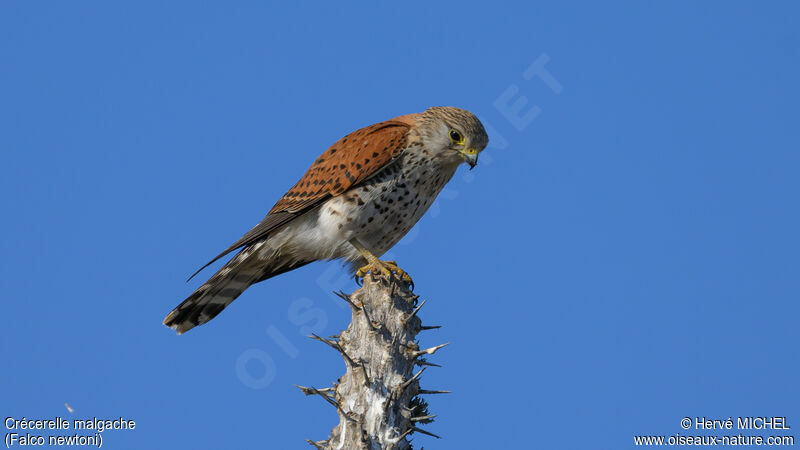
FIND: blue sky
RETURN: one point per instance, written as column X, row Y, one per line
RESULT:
column 625, row 255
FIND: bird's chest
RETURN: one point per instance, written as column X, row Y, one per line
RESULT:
column 383, row 209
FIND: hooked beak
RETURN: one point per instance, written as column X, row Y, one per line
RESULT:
column 470, row 156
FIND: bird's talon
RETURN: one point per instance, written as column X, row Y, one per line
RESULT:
column 385, row 268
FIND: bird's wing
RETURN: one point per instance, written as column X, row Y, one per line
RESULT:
column 351, row 160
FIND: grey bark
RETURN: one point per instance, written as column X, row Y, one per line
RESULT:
column 378, row 398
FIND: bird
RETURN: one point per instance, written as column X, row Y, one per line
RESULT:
column 355, row 202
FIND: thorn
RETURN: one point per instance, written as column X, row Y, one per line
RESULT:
column 388, row 402
column 350, row 360
column 310, row 391
column 425, row 391
column 411, row 380
column 338, row 348
column 331, row 401
column 346, row 298
column 366, row 374
column 430, row 351
column 406, row 433
column 330, row 342
column 414, row 312
column 366, row 316
column 422, row 362
column 317, row 444
column 346, row 356
column 430, row 327
column 420, row 430
column 418, row 419
column 327, row 398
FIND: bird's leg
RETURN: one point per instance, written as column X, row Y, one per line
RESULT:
column 375, row 265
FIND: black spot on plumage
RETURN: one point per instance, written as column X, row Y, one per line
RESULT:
column 375, row 154
column 333, row 150
column 360, row 202
column 342, row 166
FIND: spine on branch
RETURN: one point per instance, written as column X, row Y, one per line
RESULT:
column 378, row 398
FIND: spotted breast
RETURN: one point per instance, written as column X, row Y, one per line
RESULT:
column 384, row 208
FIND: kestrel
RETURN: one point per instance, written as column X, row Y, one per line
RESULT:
column 355, row 202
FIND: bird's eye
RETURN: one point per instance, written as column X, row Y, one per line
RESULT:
column 456, row 137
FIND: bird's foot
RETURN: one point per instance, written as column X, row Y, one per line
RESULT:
column 385, row 268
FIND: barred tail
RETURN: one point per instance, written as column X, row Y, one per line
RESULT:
column 248, row 267
column 219, row 291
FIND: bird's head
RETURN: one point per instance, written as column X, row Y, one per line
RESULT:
column 454, row 133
